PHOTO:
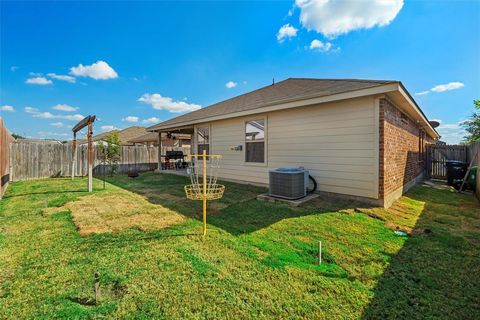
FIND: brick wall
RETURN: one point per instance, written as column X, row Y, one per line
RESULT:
column 400, row 158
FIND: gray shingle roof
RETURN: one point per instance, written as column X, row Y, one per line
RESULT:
column 287, row 90
column 125, row 135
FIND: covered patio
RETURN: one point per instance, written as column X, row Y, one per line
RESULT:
column 171, row 158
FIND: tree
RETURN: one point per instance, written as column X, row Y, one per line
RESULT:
column 17, row 136
column 109, row 149
column 472, row 125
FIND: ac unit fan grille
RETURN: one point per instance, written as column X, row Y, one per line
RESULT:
column 287, row 185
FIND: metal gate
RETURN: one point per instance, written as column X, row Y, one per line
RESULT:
column 438, row 155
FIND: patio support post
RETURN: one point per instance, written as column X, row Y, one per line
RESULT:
column 74, row 154
column 85, row 122
column 90, row 157
column 204, row 191
column 159, row 151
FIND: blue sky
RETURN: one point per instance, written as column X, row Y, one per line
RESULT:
column 139, row 63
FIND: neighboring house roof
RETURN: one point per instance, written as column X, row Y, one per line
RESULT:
column 125, row 135
column 288, row 94
column 131, row 132
column 103, row 135
column 147, row 137
column 153, row 137
column 33, row 140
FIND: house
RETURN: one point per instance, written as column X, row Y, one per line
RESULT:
column 38, row 141
column 362, row 139
column 151, row 139
column 125, row 135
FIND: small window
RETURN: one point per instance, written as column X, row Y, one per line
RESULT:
column 203, row 140
column 255, row 141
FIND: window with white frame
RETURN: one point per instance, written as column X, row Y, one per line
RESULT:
column 255, row 141
column 203, row 139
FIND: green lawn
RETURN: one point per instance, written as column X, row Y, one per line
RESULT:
column 257, row 261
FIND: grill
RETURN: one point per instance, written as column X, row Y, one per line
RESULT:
column 174, row 155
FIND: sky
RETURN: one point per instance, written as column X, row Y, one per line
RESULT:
column 139, row 63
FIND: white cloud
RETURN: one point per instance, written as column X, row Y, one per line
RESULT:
column 38, row 80
column 47, row 115
column 108, row 128
column 130, row 119
column 422, row 93
column 447, row 86
column 291, row 11
column 286, row 31
column 335, row 17
column 43, row 115
column 318, row 45
column 30, row 110
column 230, row 84
column 52, row 134
column 99, row 70
column 57, row 124
column 452, row 133
column 151, row 120
column 62, row 77
column 73, row 117
column 65, row 107
column 442, row 88
column 165, row 103
column 7, row 108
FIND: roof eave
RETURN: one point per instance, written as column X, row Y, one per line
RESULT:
column 408, row 97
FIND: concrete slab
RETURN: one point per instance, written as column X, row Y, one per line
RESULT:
column 293, row 203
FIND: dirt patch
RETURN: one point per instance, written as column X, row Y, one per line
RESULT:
column 100, row 213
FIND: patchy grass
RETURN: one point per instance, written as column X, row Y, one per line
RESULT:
column 258, row 260
column 115, row 211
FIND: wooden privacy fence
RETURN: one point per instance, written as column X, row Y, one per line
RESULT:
column 36, row 160
column 5, row 140
column 438, row 155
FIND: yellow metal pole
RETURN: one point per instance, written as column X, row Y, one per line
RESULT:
column 204, row 157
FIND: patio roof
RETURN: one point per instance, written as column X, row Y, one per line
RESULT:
column 153, row 137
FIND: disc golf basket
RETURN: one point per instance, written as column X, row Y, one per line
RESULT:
column 203, row 172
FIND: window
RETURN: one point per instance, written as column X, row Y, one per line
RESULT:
column 255, row 141
column 203, row 140
column 421, row 145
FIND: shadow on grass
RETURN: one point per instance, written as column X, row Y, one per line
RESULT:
column 436, row 273
column 109, row 238
column 16, row 195
column 238, row 212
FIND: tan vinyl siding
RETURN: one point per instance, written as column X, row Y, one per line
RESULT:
column 337, row 142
